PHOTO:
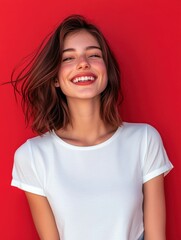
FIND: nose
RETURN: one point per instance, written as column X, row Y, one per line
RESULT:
column 83, row 63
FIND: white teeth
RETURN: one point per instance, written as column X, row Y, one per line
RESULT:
column 83, row 79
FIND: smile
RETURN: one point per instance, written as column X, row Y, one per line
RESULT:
column 83, row 79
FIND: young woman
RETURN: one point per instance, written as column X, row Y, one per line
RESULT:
column 88, row 175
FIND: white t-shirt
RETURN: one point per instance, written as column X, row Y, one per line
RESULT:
column 95, row 192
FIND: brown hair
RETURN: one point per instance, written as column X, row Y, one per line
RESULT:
column 43, row 103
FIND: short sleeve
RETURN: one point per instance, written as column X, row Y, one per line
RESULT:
column 156, row 161
column 24, row 173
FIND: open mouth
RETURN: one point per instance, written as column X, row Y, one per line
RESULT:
column 83, row 79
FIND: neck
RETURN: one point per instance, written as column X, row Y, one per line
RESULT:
column 87, row 127
column 85, row 116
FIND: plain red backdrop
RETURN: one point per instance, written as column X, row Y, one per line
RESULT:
column 145, row 36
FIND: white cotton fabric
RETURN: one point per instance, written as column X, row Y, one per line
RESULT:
column 95, row 192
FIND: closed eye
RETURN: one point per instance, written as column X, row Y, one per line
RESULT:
column 67, row 59
column 95, row 56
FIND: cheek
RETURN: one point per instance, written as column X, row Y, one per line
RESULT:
column 62, row 76
column 62, row 73
column 102, row 68
column 63, row 85
column 105, row 75
column 61, row 80
column 105, row 82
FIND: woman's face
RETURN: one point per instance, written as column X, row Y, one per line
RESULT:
column 82, row 74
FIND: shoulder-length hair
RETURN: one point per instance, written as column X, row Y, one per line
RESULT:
column 44, row 104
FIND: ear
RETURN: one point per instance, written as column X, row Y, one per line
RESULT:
column 56, row 83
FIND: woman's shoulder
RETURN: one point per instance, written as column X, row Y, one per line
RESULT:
column 36, row 142
column 140, row 129
column 138, row 126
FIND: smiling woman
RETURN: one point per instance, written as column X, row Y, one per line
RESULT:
column 39, row 82
column 82, row 73
column 88, row 175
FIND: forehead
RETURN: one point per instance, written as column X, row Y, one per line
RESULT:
column 80, row 38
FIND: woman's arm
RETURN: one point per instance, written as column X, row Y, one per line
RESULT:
column 43, row 217
column 154, row 209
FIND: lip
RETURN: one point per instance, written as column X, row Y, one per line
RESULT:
column 84, row 75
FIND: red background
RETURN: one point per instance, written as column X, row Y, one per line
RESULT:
column 145, row 37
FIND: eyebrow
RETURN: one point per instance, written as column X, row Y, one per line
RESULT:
column 87, row 48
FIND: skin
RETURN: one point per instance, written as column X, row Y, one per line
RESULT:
column 154, row 209
column 43, row 217
column 81, row 56
column 88, row 129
